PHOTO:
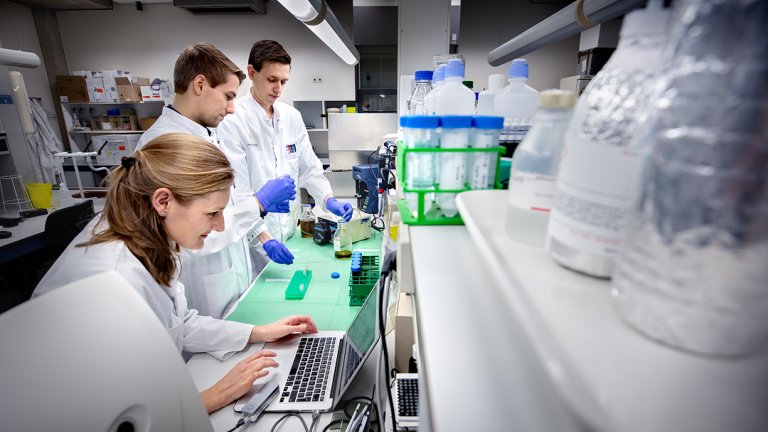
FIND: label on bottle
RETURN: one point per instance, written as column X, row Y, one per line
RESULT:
column 529, row 191
column 591, row 205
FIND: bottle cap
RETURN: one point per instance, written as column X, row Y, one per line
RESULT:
column 557, row 99
column 653, row 20
column 518, row 68
column 421, row 122
column 423, row 75
column 454, row 68
column 455, row 122
column 439, row 74
column 335, row 275
column 488, row 122
column 496, row 82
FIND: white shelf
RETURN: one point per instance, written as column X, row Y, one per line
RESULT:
column 612, row 377
column 109, row 132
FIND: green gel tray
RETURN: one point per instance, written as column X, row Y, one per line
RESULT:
column 294, row 290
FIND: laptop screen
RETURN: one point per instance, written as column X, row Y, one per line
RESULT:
column 362, row 331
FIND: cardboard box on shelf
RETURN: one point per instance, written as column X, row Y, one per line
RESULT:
column 159, row 90
column 71, row 88
column 130, row 90
column 95, row 82
column 147, row 122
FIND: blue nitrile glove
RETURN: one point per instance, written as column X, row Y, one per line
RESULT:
column 278, row 252
column 276, row 193
column 339, row 208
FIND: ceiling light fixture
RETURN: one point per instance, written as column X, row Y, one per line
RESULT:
column 319, row 18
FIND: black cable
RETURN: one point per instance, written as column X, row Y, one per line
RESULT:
column 239, row 423
column 382, row 331
column 331, row 424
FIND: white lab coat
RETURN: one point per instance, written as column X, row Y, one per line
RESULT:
column 216, row 275
column 266, row 150
column 190, row 331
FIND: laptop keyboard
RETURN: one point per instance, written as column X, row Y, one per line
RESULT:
column 308, row 378
column 408, row 397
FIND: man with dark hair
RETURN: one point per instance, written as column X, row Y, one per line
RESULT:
column 206, row 84
column 266, row 140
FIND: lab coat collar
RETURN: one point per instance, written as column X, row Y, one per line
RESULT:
column 185, row 122
column 262, row 113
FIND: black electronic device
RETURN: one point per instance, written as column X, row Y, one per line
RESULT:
column 323, row 232
column 367, row 187
column 33, row 213
column 8, row 222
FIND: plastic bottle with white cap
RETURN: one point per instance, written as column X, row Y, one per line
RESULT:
column 599, row 174
column 534, row 171
column 487, row 97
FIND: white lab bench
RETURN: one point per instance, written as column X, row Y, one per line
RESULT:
column 509, row 340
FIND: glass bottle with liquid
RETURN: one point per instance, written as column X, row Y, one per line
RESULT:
column 307, row 221
column 342, row 247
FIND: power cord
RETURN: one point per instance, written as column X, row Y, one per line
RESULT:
column 387, row 264
column 239, row 423
column 293, row 414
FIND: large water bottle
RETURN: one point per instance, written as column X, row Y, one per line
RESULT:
column 487, row 97
column 423, row 86
column 452, row 172
column 455, row 98
column 419, row 131
column 438, row 80
column 517, row 103
column 600, row 172
column 534, row 171
column 694, row 269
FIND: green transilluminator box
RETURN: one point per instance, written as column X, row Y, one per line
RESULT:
column 298, row 285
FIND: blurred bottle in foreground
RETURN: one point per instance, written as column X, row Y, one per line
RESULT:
column 693, row 273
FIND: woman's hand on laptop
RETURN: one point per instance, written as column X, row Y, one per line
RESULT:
column 238, row 380
column 283, row 327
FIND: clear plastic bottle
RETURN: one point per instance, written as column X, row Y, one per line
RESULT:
column 455, row 98
column 599, row 175
column 416, row 104
column 487, row 97
column 517, row 103
column 342, row 247
column 420, row 131
column 486, row 129
column 438, row 81
column 692, row 272
column 534, row 169
column 307, row 221
column 452, row 170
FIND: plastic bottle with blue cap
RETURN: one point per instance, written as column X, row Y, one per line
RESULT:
column 415, row 104
column 455, row 98
column 438, row 81
column 517, row 103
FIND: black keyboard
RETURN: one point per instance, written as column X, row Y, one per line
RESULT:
column 408, row 397
column 308, row 378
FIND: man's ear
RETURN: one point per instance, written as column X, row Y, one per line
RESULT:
column 161, row 201
column 198, row 83
column 251, row 72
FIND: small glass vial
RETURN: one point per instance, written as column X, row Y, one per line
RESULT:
column 341, row 244
column 307, row 221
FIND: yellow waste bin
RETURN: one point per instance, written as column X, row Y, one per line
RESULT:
column 40, row 194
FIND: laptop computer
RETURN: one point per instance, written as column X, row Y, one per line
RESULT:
column 315, row 370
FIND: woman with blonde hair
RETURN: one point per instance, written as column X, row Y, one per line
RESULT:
column 165, row 198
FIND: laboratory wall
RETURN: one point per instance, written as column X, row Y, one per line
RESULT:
column 489, row 23
column 148, row 42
